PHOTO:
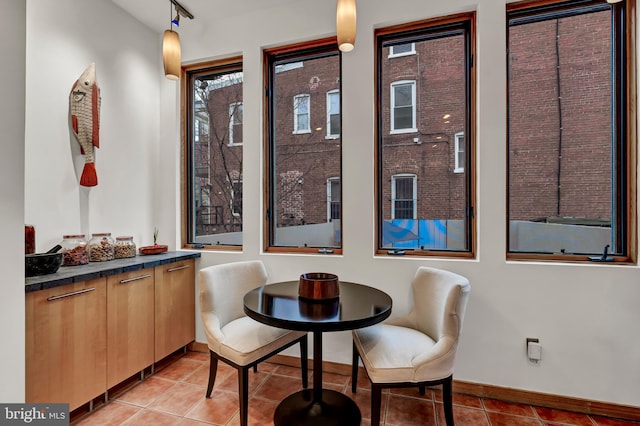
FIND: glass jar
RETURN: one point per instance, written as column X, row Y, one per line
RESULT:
column 125, row 247
column 101, row 247
column 74, row 250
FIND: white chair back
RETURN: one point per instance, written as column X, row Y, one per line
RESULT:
column 222, row 288
column 440, row 300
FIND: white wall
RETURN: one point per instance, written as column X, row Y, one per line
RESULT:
column 12, row 52
column 63, row 37
column 586, row 316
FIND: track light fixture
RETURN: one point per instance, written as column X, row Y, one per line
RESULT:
column 171, row 51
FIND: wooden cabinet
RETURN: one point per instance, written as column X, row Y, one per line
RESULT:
column 130, row 324
column 66, row 343
column 87, row 337
column 174, row 307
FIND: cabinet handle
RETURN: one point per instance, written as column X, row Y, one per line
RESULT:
column 177, row 268
column 141, row 277
column 74, row 293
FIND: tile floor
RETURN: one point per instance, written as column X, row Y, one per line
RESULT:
column 174, row 395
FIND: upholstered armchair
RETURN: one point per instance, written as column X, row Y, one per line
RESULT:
column 418, row 349
column 233, row 337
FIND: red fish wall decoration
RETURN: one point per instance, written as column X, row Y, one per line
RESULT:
column 84, row 107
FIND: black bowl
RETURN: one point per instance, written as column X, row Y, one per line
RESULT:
column 41, row 263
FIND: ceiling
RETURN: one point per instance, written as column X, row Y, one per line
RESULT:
column 157, row 14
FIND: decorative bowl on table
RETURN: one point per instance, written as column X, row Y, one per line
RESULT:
column 155, row 249
column 318, row 286
column 41, row 263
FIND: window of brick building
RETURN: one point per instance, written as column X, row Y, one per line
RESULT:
column 301, row 114
column 333, row 198
column 403, row 106
column 403, row 196
column 571, row 171
column 460, row 154
column 425, row 109
column 235, row 126
column 402, row 50
column 333, row 114
column 213, row 154
column 303, row 211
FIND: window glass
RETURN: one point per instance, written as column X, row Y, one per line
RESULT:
column 333, row 199
column 235, row 128
column 404, row 107
column 425, row 105
column 333, row 113
column 460, row 155
column 301, row 114
column 402, row 49
column 304, row 167
column 567, row 153
column 214, row 155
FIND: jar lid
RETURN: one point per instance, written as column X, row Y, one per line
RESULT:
column 73, row 236
column 124, row 238
column 103, row 234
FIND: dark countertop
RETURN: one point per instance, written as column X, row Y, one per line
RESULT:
column 72, row 274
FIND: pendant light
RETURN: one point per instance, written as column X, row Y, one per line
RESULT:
column 346, row 24
column 171, row 52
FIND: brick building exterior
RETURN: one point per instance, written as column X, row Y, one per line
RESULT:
column 559, row 148
column 560, row 140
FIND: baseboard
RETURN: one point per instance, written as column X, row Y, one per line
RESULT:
column 539, row 399
column 480, row 390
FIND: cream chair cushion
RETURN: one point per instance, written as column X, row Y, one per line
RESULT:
column 230, row 333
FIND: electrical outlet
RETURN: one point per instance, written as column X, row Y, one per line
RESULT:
column 534, row 349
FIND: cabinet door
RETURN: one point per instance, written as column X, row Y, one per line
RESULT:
column 175, row 307
column 66, row 343
column 130, row 325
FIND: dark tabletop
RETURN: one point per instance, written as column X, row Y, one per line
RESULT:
column 278, row 305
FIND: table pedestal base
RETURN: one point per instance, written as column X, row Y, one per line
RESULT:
column 335, row 409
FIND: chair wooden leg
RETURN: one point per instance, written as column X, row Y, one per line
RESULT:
column 421, row 389
column 304, row 361
column 354, row 369
column 243, row 389
column 255, row 368
column 213, row 369
column 376, row 402
column 447, row 400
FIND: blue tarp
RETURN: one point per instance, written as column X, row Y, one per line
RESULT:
column 415, row 233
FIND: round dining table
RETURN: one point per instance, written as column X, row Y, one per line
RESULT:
column 356, row 306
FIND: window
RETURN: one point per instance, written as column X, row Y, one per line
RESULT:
column 403, row 102
column 459, row 141
column 213, row 171
column 236, row 198
column 304, row 168
column 333, row 198
column 403, row 197
column 402, row 50
column 570, row 137
column 235, row 123
column 425, row 109
column 333, row 114
column 301, row 116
